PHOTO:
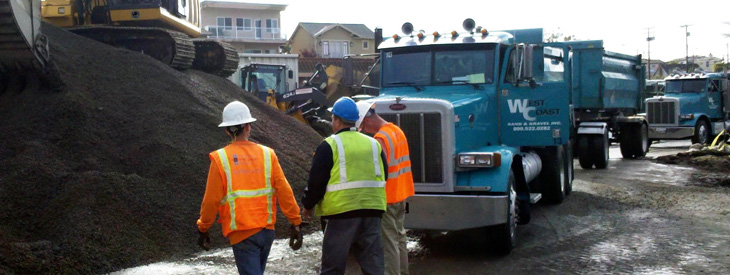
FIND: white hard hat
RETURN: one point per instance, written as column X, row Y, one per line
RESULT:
column 236, row 113
column 362, row 108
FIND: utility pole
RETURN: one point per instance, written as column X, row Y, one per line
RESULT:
column 649, row 38
column 686, row 45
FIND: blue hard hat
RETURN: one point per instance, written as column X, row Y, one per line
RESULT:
column 346, row 109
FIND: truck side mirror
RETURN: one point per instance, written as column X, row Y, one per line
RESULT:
column 526, row 66
column 291, row 74
column 723, row 85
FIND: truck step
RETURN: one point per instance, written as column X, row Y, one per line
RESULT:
column 535, row 197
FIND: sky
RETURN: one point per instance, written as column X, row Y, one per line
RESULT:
column 621, row 24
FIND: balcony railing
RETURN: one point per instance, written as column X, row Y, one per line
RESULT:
column 241, row 33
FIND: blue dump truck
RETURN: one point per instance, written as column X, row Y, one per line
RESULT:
column 607, row 96
column 694, row 106
column 490, row 122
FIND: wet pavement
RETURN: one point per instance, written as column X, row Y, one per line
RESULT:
column 636, row 216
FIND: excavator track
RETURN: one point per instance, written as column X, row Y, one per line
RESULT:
column 170, row 47
column 22, row 47
column 215, row 57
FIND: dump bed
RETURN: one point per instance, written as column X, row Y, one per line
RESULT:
column 603, row 79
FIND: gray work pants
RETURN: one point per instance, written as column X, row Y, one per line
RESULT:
column 363, row 235
column 394, row 239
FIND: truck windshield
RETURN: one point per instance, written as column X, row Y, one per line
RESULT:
column 441, row 66
column 686, row 86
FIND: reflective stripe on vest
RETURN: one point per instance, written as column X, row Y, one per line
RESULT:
column 392, row 161
column 231, row 195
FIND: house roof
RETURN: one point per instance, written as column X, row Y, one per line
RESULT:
column 232, row 4
column 317, row 29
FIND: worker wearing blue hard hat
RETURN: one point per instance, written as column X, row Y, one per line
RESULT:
column 347, row 185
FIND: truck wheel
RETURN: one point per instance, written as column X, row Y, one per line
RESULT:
column 599, row 148
column 702, row 132
column 553, row 177
column 584, row 152
column 634, row 141
column 506, row 234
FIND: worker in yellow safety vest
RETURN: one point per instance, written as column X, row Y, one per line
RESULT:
column 347, row 185
column 244, row 182
column 398, row 187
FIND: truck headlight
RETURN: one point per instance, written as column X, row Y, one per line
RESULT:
column 687, row 117
column 61, row 10
column 479, row 160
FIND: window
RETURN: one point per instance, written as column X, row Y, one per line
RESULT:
column 345, row 48
column 365, row 45
column 325, row 48
column 225, row 23
column 252, row 51
column 407, row 69
column 272, row 26
column 243, row 24
column 553, row 66
column 459, row 67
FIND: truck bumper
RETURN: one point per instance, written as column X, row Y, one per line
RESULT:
column 656, row 132
column 455, row 212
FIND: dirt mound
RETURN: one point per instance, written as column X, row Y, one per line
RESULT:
column 709, row 160
column 108, row 170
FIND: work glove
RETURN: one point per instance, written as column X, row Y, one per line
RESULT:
column 295, row 237
column 204, row 240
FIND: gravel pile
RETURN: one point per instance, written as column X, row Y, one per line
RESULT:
column 108, row 170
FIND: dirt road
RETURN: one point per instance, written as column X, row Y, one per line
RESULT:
column 636, row 216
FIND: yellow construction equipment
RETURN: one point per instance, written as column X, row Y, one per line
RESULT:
column 167, row 30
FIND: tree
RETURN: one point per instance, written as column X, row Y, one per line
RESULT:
column 557, row 36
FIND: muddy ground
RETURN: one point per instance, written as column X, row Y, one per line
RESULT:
column 636, row 216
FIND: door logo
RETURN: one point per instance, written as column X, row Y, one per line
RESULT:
column 521, row 106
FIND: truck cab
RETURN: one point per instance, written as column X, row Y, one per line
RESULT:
column 487, row 118
column 694, row 106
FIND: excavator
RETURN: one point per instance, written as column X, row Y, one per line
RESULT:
column 167, row 30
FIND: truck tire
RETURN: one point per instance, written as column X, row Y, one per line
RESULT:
column 599, row 148
column 554, row 174
column 505, row 235
column 702, row 132
column 634, row 141
column 584, row 152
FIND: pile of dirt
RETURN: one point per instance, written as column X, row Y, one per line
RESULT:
column 108, row 170
column 705, row 159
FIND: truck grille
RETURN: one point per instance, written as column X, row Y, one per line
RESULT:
column 661, row 112
column 423, row 131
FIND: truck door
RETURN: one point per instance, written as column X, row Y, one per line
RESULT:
column 714, row 98
column 534, row 96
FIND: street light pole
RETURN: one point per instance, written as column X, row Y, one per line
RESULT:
column 686, row 46
column 649, row 38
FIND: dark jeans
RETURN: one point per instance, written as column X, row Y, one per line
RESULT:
column 251, row 253
column 363, row 235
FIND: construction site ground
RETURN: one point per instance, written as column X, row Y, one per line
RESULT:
column 635, row 217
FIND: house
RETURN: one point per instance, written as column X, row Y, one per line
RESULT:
column 248, row 27
column 657, row 69
column 331, row 40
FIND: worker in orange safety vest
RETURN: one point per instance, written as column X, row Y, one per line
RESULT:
column 398, row 186
column 244, row 182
